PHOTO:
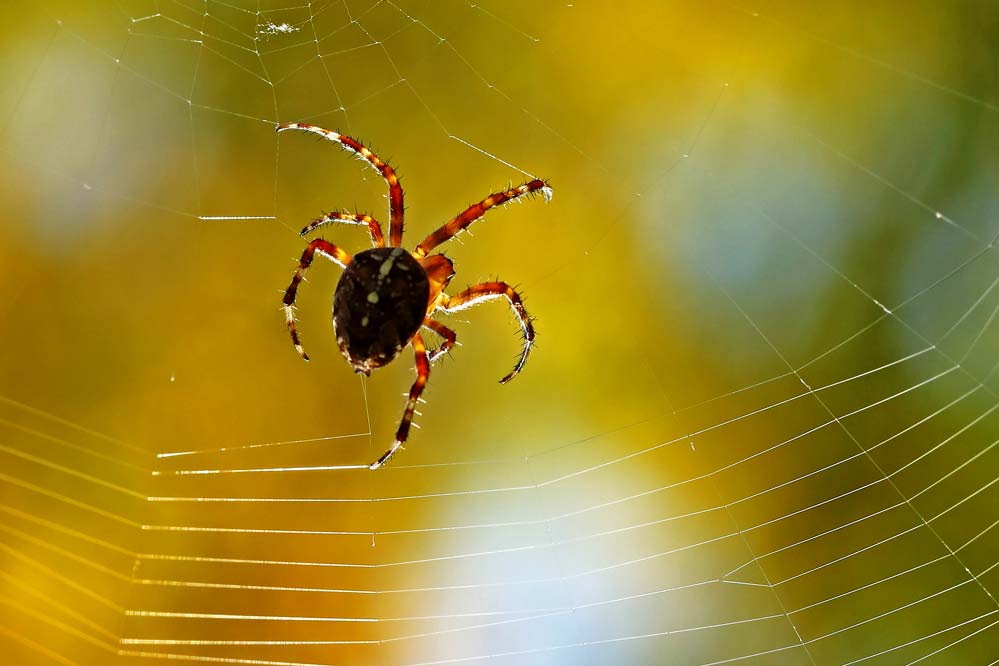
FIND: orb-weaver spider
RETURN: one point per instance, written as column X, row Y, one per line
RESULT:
column 385, row 294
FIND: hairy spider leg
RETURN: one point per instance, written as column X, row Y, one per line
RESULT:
column 377, row 239
column 422, row 374
column 325, row 248
column 487, row 291
column 450, row 337
column 475, row 211
column 387, row 172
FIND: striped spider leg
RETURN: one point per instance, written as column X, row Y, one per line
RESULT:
column 387, row 172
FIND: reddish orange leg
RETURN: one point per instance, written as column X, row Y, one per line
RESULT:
column 387, row 172
column 325, row 248
column 422, row 374
column 440, row 329
column 488, row 291
column 377, row 239
column 475, row 211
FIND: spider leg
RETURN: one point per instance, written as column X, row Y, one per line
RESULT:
column 377, row 239
column 422, row 373
column 440, row 329
column 488, row 291
column 387, row 172
column 331, row 251
column 475, row 211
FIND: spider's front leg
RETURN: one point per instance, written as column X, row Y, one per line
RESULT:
column 325, row 248
column 488, row 291
column 422, row 374
column 396, row 208
column 450, row 337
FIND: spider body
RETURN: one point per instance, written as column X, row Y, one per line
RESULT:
column 386, row 294
column 379, row 305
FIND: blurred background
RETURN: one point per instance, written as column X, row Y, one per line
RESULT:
column 760, row 424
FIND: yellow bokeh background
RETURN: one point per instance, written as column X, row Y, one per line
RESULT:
column 759, row 423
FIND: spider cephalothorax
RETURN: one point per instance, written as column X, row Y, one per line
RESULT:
column 387, row 294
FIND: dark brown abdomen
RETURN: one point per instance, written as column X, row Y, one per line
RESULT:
column 379, row 304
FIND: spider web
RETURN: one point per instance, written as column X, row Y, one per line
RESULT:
column 761, row 426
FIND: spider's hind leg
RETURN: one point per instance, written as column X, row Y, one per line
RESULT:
column 326, row 249
column 422, row 374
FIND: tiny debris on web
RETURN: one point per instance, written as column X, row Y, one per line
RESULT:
column 271, row 28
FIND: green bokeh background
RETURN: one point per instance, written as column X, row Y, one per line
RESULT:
column 759, row 422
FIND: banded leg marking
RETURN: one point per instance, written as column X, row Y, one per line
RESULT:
column 387, row 172
column 334, row 254
column 422, row 374
column 475, row 211
column 374, row 227
column 488, row 291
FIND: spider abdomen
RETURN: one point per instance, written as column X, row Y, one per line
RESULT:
column 379, row 304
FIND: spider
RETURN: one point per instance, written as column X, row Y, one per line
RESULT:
column 386, row 294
